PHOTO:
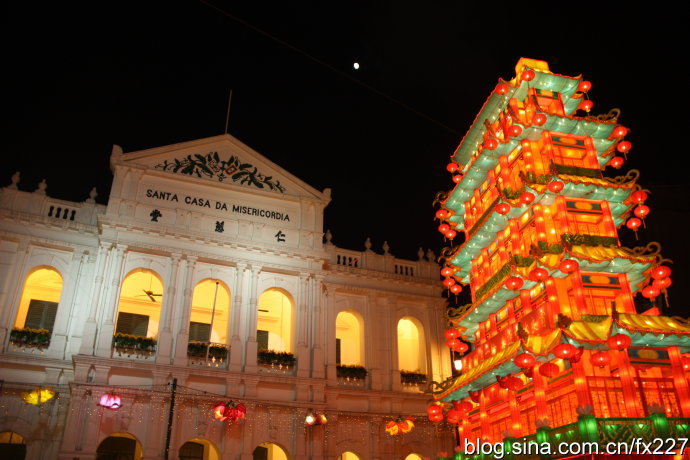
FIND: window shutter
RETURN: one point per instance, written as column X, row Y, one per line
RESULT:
column 130, row 323
column 192, row 451
column 260, row 453
column 262, row 339
column 337, row 351
column 199, row 332
column 41, row 314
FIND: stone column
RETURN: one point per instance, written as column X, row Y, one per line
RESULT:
column 180, row 358
column 236, row 316
column 12, row 289
column 251, row 311
column 318, row 370
column 63, row 322
column 391, row 333
column 372, row 341
column 105, row 337
column 331, row 371
column 301, row 327
column 165, row 337
column 88, row 337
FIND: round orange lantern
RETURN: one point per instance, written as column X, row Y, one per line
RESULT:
column 502, row 208
column 461, row 347
column 620, row 131
column 490, row 144
column 441, row 214
column 502, row 89
column 514, row 283
column 616, row 162
column 454, row 415
column 568, row 266
column 539, row 119
column 584, row 86
column 650, row 292
column 633, row 223
column 452, row 342
column 452, row 167
column 448, row 282
column 436, row 418
column 450, row 234
column 564, row 351
column 513, row 383
column 662, row 283
column 525, row 361
column 451, row 333
column 465, row 406
column 447, row 271
column 638, row 197
column 538, row 274
column 642, row 211
column 548, row 370
column 685, row 360
column 434, row 409
column 624, row 146
column 586, row 105
column 527, row 75
column 457, row 178
column 660, row 272
column 600, row 359
column 456, row 289
column 514, row 130
column 556, row 186
column 443, row 228
column 619, row 342
column 527, row 198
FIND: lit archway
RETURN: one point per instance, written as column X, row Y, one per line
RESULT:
column 119, row 446
column 40, row 298
column 141, row 296
column 348, row 456
column 349, row 338
column 411, row 350
column 269, row 451
column 12, row 446
column 274, row 324
column 210, row 312
column 413, row 457
column 198, row 449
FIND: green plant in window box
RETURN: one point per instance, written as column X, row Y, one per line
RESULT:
column 198, row 350
column 351, row 371
column 412, row 377
column 134, row 344
column 272, row 357
column 30, row 338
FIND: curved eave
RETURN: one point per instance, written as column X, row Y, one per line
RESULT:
column 613, row 260
column 594, row 189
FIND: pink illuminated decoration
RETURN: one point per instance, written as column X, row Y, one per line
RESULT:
column 110, row 401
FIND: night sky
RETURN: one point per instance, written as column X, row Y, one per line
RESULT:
column 79, row 77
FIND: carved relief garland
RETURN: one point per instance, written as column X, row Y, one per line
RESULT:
column 211, row 166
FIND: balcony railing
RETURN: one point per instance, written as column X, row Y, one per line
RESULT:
column 28, row 340
column 129, row 346
column 208, row 354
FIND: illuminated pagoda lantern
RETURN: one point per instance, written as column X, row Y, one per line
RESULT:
column 558, row 351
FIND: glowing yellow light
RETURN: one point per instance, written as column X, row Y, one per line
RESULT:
column 38, row 396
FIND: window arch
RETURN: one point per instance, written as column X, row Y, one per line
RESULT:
column 39, row 300
column 349, row 337
column 411, row 349
column 348, row 456
column 119, row 446
column 269, row 451
column 12, row 446
column 139, row 307
column 413, row 457
column 210, row 312
column 274, row 324
column 198, row 449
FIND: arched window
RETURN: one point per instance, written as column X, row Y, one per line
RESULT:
column 274, row 325
column 39, row 301
column 349, row 339
column 141, row 296
column 210, row 312
column 348, row 456
column 269, row 451
column 12, row 446
column 411, row 350
column 413, row 457
column 119, row 446
column 198, row 449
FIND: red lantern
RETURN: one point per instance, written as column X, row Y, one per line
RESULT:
column 616, row 162
column 685, row 360
column 441, row 214
column 229, row 411
column 538, row 274
column 447, row 271
column 650, row 292
column 452, row 343
column 633, row 223
column 660, row 272
column 219, row 411
column 527, row 75
column 452, row 167
column 512, row 383
column 450, row 234
column 453, row 416
column 443, row 228
column 448, row 282
column 556, row 186
column 525, row 361
column 548, row 369
column 110, row 401
column 638, row 197
column 514, row 130
column 584, row 86
column 451, row 333
column 620, row 131
column 662, row 283
column 568, row 266
column 434, row 409
column 624, row 146
column 619, row 342
column 490, row 144
column 436, row 418
column 514, row 283
column 456, row 289
column 539, row 119
column 474, row 395
column 502, row 89
column 600, row 359
column 527, row 198
column 586, row 105
column 564, row 351
column 502, row 208
column 461, row 347
column 642, row 211
column 578, row 354
column 465, row 406
column 457, row 178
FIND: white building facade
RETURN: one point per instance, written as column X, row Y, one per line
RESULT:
column 206, row 279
